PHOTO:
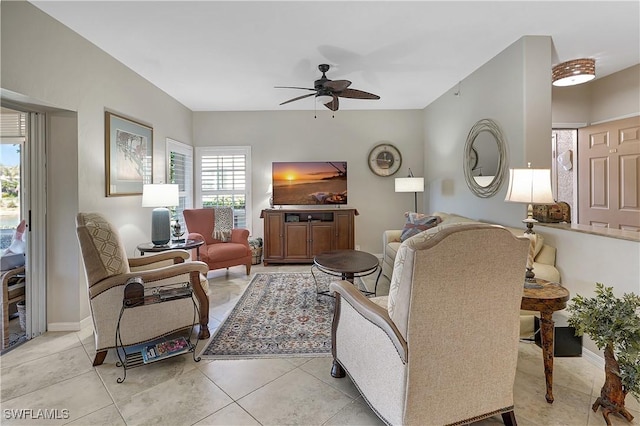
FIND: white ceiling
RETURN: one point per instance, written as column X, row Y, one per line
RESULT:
column 228, row 56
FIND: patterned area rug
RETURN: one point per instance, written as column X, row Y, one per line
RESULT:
column 277, row 315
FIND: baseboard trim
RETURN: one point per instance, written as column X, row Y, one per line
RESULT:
column 69, row 326
column 593, row 357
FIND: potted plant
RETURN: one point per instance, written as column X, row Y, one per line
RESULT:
column 614, row 326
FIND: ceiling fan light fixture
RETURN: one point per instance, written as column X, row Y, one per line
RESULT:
column 324, row 99
column 574, row 72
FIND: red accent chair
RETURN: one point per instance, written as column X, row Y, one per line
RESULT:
column 215, row 253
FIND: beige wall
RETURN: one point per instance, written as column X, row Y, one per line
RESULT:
column 47, row 63
column 494, row 91
column 609, row 98
column 349, row 136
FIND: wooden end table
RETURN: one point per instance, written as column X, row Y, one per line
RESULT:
column 187, row 245
column 548, row 299
column 346, row 264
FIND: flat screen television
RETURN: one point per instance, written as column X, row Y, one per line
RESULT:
column 309, row 183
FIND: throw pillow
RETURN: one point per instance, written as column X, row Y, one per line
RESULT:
column 416, row 223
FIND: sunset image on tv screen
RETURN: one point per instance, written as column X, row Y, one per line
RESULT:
column 312, row 182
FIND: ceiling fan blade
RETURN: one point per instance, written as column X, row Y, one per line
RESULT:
column 334, row 104
column 356, row 94
column 298, row 98
column 289, row 87
column 337, row 85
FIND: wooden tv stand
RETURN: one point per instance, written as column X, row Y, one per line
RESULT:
column 297, row 235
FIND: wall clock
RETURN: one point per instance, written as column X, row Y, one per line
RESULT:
column 385, row 159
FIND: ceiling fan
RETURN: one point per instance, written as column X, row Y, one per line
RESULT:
column 328, row 91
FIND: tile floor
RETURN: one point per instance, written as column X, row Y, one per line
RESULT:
column 54, row 372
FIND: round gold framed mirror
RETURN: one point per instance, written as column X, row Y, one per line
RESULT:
column 485, row 158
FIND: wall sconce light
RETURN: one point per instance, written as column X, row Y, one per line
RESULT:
column 574, row 72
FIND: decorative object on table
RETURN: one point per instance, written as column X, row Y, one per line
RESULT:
column 270, row 193
column 485, row 158
column 552, row 213
column 384, row 159
column 277, row 315
column 328, row 91
column 410, row 184
column 128, row 156
column 256, row 250
column 530, row 186
column 177, row 232
column 160, row 196
column 571, row 73
column 613, row 324
column 416, row 223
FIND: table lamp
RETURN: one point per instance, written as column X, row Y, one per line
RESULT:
column 530, row 186
column 160, row 196
column 410, row 184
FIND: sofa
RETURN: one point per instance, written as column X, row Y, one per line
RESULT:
column 544, row 259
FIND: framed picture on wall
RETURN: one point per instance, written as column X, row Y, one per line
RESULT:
column 128, row 155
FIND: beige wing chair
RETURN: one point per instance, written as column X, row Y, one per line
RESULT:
column 108, row 269
column 442, row 347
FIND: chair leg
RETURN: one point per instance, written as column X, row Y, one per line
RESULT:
column 99, row 359
column 248, row 268
column 337, row 371
column 509, row 418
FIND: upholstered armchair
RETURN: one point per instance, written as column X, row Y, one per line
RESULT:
column 108, row 270
column 442, row 347
column 215, row 252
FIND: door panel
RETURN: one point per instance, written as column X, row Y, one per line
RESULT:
column 609, row 174
column 297, row 238
column 321, row 238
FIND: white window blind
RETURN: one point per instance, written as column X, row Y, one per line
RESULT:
column 223, row 179
column 180, row 170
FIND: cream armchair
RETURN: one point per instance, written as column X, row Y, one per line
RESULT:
column 108, row 269
column 442, row 347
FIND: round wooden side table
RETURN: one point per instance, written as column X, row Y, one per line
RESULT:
column 187, row 245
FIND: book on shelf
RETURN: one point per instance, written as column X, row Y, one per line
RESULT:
column 159, row 350
column 174, row 293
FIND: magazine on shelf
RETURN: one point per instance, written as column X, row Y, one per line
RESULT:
column 159, row 350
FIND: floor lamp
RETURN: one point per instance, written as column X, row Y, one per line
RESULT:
column 411, row 184
column 160, row 196
column 530, row 186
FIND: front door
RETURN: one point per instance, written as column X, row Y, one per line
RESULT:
column 609, row 175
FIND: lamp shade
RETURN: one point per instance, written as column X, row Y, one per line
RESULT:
column 573, row 72
column 531, row 186
column 410, row 184
column 160, row 195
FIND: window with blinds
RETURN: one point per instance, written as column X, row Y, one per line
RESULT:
column 223, row 179
column 180, row 169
